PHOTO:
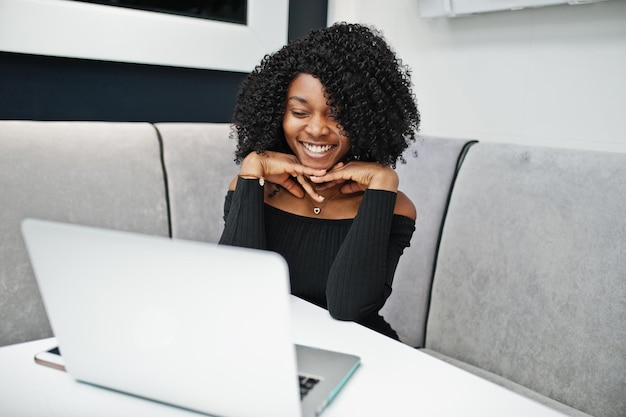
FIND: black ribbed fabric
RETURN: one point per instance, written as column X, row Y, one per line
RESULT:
column 247, row 227
column 346, row 266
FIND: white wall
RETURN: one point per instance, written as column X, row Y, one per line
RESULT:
column 553, row 76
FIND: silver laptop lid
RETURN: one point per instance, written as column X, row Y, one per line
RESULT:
column 196, row 325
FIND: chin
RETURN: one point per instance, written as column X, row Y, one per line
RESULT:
column 320, row 165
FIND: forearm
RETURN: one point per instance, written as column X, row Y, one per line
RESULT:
column 360, row 277
column 245, row 222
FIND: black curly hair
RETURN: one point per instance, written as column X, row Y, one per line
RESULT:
column 367, row 87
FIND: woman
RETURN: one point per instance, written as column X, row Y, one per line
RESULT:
column 320, row 124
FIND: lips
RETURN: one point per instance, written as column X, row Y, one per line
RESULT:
column 317, row 149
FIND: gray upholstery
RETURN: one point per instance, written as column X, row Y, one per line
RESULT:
column 426, row 179
column 101, row 174
column 510, row 385
column 199, row 162
column 531, row 276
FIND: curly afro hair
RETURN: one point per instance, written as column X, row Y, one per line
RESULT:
column 367, row 87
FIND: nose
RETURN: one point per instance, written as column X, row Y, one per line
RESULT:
column 317, row 126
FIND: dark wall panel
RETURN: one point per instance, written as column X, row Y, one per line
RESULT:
column 34, row 87
column 305, row 15
column 50, row 88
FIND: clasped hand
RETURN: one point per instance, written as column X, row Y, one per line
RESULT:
column 355, row 176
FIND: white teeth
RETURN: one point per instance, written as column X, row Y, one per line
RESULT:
column 317, row 148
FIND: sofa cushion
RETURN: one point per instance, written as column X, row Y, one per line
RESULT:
column 529, row 283
column 199, row 162
column 99, row 174
column 426, row 178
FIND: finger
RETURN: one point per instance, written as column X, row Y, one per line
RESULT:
column 295, row 169
column 324, row 177
column 309, row 189
column 352, row 188
column 276, row 163
column 291, row 186
column 338, row 165
column 331, row 176
column 327, row 185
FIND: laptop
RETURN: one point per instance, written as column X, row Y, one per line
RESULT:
column 200, row 326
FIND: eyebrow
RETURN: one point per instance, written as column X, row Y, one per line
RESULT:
column 298, row 99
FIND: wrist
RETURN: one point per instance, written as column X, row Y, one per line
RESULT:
column 386, row 179
column 251, row 167
column 252, row 177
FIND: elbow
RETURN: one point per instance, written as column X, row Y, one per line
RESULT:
column 353, row 308
column 344, row 315
column 346, row 312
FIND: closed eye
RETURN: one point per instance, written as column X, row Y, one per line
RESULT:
column 298, row 114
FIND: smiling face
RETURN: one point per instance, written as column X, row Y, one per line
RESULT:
column 310, row 129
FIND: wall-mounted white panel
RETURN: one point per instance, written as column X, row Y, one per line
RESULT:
column 452, row 8
column 82, row 30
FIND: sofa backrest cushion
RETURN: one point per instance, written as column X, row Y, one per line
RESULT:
column 530, row 282
column 99, row 174
column 199, row 162
column 426, row 178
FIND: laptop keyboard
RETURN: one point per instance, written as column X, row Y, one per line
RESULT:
column 306, row 384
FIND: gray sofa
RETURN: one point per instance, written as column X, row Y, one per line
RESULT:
column 516, row 271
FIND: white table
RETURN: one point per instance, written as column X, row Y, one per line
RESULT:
column 393, row 380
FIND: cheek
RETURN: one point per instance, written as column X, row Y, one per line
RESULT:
column 290, row 133
column 345, row 144
column 289, row 127
column 344, row 149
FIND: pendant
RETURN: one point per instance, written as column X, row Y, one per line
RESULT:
column 317, row 210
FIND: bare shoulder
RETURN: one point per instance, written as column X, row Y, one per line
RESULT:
column 233, row 184
column 404, row 206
